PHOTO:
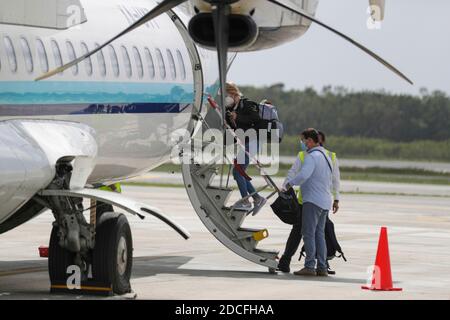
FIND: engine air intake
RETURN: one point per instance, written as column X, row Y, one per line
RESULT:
column 242, row 30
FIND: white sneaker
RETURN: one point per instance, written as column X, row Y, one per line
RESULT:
column 243, row 205
column 258, row 204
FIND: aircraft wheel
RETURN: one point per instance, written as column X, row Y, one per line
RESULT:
column 113, row 252
column 59, row 259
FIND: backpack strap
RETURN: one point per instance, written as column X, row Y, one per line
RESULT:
column 302, row 253
column 342, row 255
column 326, row 159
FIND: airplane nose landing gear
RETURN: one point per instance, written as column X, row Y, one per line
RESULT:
column 110, row 261
column 105, row 260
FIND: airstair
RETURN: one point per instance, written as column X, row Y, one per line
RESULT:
column 209, row 188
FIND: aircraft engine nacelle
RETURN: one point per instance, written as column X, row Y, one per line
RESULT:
column 253, row 24
column 243, row 30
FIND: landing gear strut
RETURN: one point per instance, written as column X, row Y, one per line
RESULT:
column 98, row 253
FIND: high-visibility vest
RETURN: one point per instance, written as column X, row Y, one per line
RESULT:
column 301, row 156
column 113, row 187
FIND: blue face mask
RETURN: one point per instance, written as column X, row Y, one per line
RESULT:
column 303, row 146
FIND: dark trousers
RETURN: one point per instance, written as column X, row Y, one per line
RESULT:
column 293, row 242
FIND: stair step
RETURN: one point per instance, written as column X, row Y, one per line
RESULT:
column 206, row 176
column 256, row 234
column 219, row 188
column 269, row 254
column 249, row 229
column 238, row 217
column 236, row 209
column 219, row 195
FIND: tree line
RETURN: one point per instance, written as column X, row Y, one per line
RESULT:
column 366, row 114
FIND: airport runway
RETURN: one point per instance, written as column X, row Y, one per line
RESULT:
column 356, row 186
column 168, row 267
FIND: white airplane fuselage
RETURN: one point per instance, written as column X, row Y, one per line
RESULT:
column 133, row 113
column 133, row 94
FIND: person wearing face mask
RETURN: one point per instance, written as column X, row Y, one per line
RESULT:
column 313, row 171
column 242, row 113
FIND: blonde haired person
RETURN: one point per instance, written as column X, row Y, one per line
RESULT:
column 242, row 113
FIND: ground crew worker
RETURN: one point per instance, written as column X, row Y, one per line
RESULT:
column 315, row 177
column 336, row 183
column 295, row 235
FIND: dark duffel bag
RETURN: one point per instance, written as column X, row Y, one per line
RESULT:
column 286, row 207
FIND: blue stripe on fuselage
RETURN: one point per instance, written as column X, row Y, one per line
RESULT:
column 93, row 92
column 80, row 109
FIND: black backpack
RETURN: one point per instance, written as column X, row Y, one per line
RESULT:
column 248, row 112
column 333, row 246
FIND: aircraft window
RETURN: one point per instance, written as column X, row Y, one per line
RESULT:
column 114, row 61
column 42, row 55
column 27, row 54
column 72, row 56
column 173, row 68
column 127, row 61
column 138, row 59
column 101, row 61
column 161, row 64
column 182, row 66
column 57, row 54
column 87, row 61
column 11, row 53
column 151, row 65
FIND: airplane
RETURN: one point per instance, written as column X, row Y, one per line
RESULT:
column 78, row 113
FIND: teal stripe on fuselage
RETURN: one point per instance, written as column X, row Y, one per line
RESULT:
column 73, row 92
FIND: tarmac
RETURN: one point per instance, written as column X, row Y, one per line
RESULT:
column 168, row 267
column 347, row 186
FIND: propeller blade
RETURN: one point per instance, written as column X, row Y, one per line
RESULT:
column 220, row 13
column 360, row 46
column 231, row 61
column 161, row 8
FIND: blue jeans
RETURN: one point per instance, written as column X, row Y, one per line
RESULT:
column 245, row 187
column 313, row 231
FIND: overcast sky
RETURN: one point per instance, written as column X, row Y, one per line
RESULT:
column 415, row 37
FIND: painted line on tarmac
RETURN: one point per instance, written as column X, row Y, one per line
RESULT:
column 22, row 271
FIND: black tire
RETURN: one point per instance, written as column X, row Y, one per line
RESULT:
column 102, row 208
column 59, row 259
column 113, row 239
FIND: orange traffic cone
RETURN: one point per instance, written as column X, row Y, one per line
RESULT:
column 382, row 277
